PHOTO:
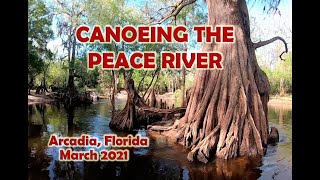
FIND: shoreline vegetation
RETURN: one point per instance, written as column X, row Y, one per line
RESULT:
column 48, row 98
column 280, row 100
column 40, row 99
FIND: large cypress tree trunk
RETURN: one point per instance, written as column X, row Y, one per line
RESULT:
column 226, row 115
column 183, row 85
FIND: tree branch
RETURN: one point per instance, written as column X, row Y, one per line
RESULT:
column 155, row 73
column 158, row 74
column 61, row 58
column 263, row 43
column 175, row 10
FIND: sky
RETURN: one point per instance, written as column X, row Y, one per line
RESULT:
column 263, row 25
column 267, row 26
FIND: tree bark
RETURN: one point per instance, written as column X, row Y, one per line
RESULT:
column 126, row 118
column 151, row 88
column 281, row 87
column 71, row 91
column 173, row 86
column 147, row 90
column 113, row 84
column 183, row 93
column 153, row 100
column 175, row 83
column 116, row 82
column 226, row 115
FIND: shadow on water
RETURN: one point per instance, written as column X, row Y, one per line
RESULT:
column 162, row 160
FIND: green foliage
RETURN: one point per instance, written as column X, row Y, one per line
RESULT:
column 282, row 71
column 137, row 77
column 112, row 12
column 35, row 62
column 57, row 74
column 104, row 80
column 163, row 82
column 189, row 80
column 39, row 24
column 177, row 93
column 39, row 33
column 115, row 12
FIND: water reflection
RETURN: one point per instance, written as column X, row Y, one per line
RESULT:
column 38, row 125
column 277, row 164
column 162, row 160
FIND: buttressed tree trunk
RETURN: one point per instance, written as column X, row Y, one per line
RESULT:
column 226, row 115
column 183, row 83
column 126, row 118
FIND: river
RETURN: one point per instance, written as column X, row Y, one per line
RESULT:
column 162, row 160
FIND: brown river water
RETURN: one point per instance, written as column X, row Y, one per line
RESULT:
column 162, row 160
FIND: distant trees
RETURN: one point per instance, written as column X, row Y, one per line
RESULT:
column 278, row 71
column 226, row 115
column 69, row 15
column 39, row 33
column 280, row 76
column 69, row 70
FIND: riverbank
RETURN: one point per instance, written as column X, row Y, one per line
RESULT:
column 284, row 100
column 48, row 98
column 40, row 99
